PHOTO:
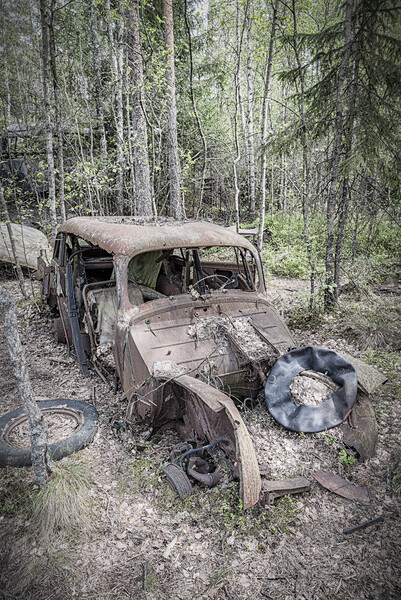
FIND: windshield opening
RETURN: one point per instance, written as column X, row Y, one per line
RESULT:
column 173, row 272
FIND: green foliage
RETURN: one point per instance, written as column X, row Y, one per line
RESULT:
column 346, row 459
column 145, row 472
column 229, row 514
column 374, row 323
column 284, row 254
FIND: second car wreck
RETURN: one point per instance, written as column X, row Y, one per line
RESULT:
column 180, row 311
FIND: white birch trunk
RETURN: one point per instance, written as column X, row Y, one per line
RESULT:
column 262, row 205
column 44, row 13
column 115, row 34
column 41, row 460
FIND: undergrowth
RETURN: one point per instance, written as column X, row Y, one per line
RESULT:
column 64, row 506
column 374, row 323
column 43, row 527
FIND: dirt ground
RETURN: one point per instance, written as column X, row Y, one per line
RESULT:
column 144, row 543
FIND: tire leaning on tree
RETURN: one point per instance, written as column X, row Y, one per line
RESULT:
column 84, row 414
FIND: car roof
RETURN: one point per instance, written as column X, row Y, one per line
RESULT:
column 129, row 236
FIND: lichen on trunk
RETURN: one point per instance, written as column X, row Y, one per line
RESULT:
column 41, row 459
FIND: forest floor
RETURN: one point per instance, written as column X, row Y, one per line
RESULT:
column 131, row 537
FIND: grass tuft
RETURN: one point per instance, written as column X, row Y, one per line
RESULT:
column 40, row 553
column 64, row 506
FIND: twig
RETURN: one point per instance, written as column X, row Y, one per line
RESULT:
column 222, row 543
column 320, row 377
column 363, row 525
column 62, row 361
column 145, row 569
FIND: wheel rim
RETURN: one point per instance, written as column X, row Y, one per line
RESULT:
column 21, row 419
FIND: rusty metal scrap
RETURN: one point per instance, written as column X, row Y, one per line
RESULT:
column 363, row 525
column 275, row 489
column 342, row 487
column 360, row 429
column 184, row 332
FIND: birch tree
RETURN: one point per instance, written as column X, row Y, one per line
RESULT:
column 41, row 460
column 143, row 195
column 115, row 27
column 60, row 150
column 263, row 129
column 250, row 126
column 45, row 17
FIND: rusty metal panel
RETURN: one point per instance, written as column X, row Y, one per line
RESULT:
column 360, row 429
column 342, row 487
column 215, row 425
column 129, row 236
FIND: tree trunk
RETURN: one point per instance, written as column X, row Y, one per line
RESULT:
column 7, row 86
column 329, row 296
column 349, row 142
column 262, row 206
column 44, row 14
column 238, row 101
column 52, row 46
column 41, row 460
column 342, row 219
column 173, row 159
column 251, row 142
column 143, row 196
column 18, row 269
column 198, row 121
column 98, row 86
column 115, row 41
column 305, row 162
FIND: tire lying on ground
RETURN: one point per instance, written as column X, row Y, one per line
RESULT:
column 309, row 419
column 85, row 416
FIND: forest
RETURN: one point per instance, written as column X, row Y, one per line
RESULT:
column 281, row 115
column 279, row 118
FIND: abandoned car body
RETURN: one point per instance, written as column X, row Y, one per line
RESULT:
column 178, row 312
column 184, row 310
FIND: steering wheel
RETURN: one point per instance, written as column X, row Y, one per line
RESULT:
column 228, row 279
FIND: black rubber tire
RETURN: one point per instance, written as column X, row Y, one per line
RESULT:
column 309, row 419
column 19, row 457
column 178, row 480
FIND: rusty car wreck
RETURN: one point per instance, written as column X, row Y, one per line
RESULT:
column 180, row 312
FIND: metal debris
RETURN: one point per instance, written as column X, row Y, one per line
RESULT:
column 342, row 487
column 360, row 429
column 275, row 489
column 363, row 525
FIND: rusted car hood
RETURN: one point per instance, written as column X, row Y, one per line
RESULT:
column 217, row 336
